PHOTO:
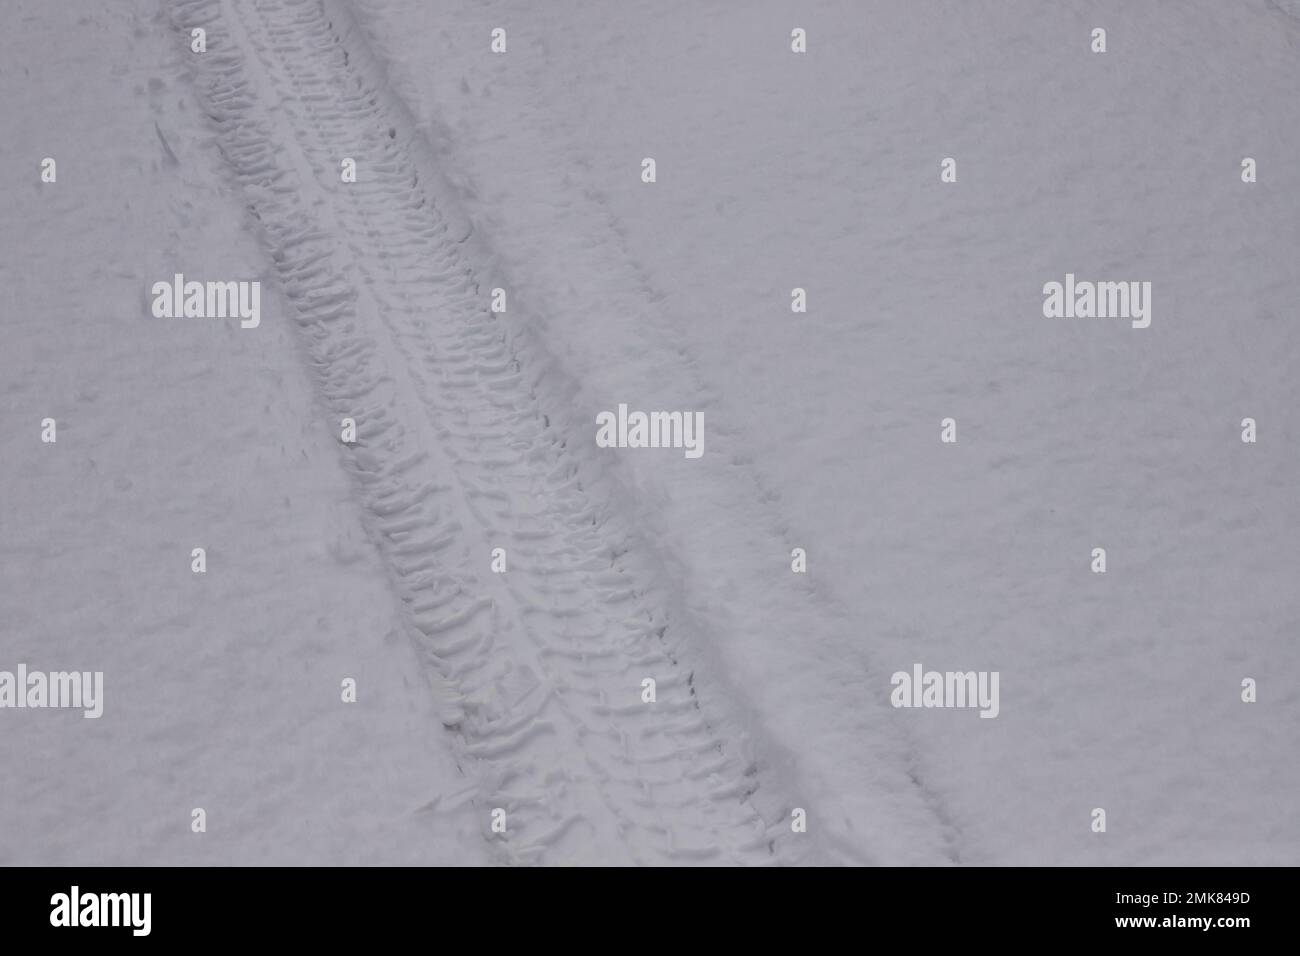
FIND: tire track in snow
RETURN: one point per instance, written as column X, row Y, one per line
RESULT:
column 541, row 666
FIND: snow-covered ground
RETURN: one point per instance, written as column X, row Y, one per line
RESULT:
column 522, row 170
column 222, row 691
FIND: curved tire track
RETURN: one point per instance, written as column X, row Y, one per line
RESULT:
column 540, row 667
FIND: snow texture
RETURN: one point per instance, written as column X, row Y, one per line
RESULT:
column 501, row 718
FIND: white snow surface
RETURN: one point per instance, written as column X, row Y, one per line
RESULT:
column 522, row 691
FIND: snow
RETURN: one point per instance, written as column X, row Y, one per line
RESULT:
column 821, row 171
column 222, row 690
column 774, row 171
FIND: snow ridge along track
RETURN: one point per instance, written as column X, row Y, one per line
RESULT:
column 540, row 667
